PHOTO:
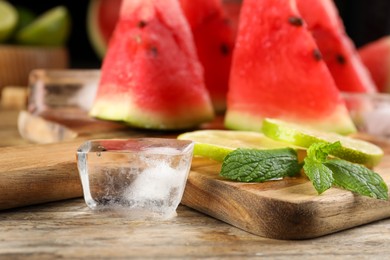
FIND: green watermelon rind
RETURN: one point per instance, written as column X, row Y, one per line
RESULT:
column 338, row 121
column 98, row 42
column 120, row 109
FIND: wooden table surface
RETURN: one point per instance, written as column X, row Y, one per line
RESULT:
column 69, row 229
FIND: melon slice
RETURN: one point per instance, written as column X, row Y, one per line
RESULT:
column 214, row 40
column 376, row 57
column 278, row 72
column 337, row 50
column 101, row 20
column 151, row 76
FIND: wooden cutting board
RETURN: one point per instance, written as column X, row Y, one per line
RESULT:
column 285, row 209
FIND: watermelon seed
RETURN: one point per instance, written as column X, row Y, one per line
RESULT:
column 141, row 24
column 154, row 51
column 340, row 59
column 224, row 48
column 296, row 21
column 317, row 54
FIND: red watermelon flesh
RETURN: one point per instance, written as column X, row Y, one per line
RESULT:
column 278, row 72
column 151, row 76
column 336, row 47
column 376, row 57
column 214, row 40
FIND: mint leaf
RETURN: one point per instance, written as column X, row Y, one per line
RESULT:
column 315, row 170
column 320, row 175
column 249, row 165
column 357, row 178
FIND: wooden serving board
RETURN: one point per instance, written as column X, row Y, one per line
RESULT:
column 283, row 209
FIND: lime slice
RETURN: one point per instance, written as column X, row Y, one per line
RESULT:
column 8, row 20
column 49, row 29
column 353, row 150
column 216, row 144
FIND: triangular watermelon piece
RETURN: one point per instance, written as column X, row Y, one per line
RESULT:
column 336, row 47
column 278, row 72
column 376, row 57
column 214, row 40
column 151, row 76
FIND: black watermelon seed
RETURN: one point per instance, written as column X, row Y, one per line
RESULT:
column 296, row 21
column 340, row 59
column 141, row 24
column 154, row 51
column 317, row 55
column 224, row 48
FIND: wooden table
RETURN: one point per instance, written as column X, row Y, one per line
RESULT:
column 68, row 229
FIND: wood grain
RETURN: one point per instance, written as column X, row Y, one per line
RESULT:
column 34, row 174
column 69, row 230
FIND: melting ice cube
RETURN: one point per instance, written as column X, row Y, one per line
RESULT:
column 370, row 112
column 62, row 94
column 145, row 177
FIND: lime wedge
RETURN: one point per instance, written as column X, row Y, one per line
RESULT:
column 49, row 29
column 216, row 144
column 8, row 20
column 352, row 150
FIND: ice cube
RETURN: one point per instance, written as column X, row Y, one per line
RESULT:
column 144, row 177
column 38, row 130
column 370, row 112
column 62, row 94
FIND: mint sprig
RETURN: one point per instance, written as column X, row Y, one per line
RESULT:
column 251, row 165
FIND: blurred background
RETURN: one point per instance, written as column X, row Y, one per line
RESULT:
column 364, row 20
column 80, row 49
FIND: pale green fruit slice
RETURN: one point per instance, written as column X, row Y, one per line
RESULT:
column 353, row 150
column 49, row 29
column 216, row 144
column 8, row 20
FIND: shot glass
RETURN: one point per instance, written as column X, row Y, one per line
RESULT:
column 141, row 177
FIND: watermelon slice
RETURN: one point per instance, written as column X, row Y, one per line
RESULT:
column 278, row 72
column 376, row 57
column 337, row 50
column 101, row 20
column 151, row 76
column 214, row 40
